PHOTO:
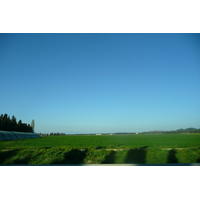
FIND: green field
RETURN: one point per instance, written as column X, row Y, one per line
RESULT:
column 102, row 149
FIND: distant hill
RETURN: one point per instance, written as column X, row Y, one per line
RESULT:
column 181, row 130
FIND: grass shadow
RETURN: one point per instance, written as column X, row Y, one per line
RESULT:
column 99, row 147
column 22, row 161
column 136, row 156
column 75, row 156
column 171, row 158
column 4, row 155
column 110, row 158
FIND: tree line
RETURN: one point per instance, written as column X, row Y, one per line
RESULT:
column 51, row 134
column 11, row 124
column 178, row 131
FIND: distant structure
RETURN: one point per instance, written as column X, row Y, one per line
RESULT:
column 10, row 135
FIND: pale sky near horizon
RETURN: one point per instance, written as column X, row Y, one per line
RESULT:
column 92, row 83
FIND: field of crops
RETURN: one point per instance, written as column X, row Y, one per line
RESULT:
column 102, row 149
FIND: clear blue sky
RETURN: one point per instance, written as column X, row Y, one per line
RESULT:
column 92, row 83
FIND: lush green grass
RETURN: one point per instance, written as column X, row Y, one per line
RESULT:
column 108, row 141
column 103, row 149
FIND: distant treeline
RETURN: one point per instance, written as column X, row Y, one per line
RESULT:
column 50, row 134
column 11, row 124
column 178, row 131
column 187, row 130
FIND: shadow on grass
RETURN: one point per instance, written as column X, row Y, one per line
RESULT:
column 171, row 158
column 110, row 158
column 99, row 147
column 75, row 156
column 4, row 155
column 136, row 156
column 22, row 161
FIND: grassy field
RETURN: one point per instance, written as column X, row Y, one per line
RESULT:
column 102, row 149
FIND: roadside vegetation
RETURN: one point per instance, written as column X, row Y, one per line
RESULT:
column 102, row 149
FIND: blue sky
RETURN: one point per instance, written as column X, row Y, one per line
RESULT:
column 92, row 83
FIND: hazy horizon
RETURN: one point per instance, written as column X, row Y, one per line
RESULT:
column 71, row 133
column 101, row 83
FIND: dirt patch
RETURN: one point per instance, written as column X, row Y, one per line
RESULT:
column 166, row 148
column 115, row 149
column 81, row 149
column 90, row 162
column 172, row 148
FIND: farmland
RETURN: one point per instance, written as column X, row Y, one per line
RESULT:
column 102, row 149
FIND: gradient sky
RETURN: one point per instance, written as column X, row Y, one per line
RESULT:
column 92, row 83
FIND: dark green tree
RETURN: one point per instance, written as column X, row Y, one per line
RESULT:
column 13, row 123
column 33, row 125
column 5, row 122
column 8, row 124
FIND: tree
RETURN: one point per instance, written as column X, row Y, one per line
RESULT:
column 5, row 122
column 20, row 122
column 8, row 124
column 19, row 125
column 14, row 120
column 33, row 125
column 13, row 123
